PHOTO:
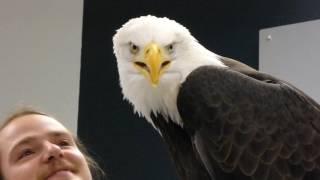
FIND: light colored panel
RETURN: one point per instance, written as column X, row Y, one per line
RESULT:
column 40, row 47
column 292, row 53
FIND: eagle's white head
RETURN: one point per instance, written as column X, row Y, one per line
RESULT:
column 154, row 57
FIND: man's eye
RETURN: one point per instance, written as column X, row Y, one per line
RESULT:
column 64, row 143
column 25, row 153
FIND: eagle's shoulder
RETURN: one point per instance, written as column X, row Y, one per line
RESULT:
column 242, row 122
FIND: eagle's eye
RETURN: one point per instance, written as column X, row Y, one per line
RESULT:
column 134, row 49
column 170, row 48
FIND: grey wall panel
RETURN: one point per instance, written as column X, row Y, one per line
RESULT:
column 40, row 48
column 292, row 53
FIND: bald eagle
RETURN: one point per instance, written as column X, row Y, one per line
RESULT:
column 221, row 119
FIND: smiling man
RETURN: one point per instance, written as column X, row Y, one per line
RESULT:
column 35, row 146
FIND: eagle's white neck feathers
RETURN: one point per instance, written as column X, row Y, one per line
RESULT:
column 189, row 55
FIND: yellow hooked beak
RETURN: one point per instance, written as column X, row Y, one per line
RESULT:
column 154, row 64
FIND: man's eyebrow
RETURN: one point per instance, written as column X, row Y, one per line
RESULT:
column 29, row 140
column 60, row 134
column 24, row 141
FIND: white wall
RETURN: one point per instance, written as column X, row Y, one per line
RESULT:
column 292, row 53
column 40, row 47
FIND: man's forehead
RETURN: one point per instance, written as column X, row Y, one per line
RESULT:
column 31, row 125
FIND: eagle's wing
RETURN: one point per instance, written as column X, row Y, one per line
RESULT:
column 267, row 130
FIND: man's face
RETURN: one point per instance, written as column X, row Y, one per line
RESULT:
column 37, row 147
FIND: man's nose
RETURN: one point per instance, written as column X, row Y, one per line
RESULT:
column 52, row 152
